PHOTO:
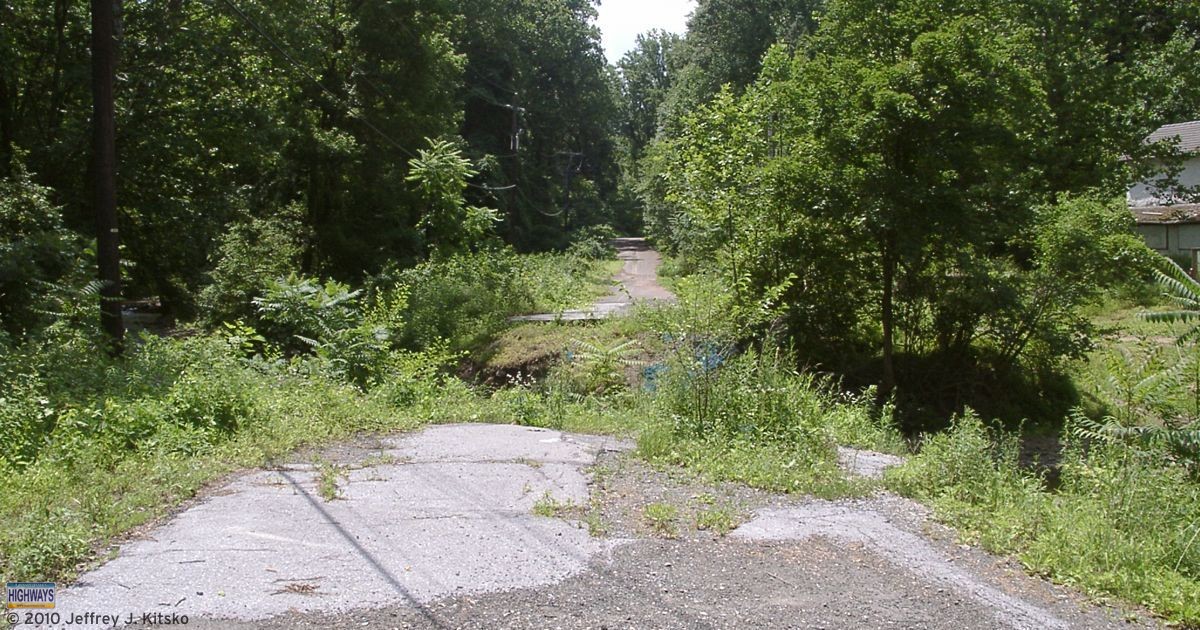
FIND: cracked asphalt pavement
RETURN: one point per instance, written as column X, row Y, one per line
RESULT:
column 436, row 529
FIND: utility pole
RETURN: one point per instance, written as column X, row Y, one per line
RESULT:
column 104, row 168
column 570, row 170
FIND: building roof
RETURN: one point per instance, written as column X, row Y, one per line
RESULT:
column 1159, row 215
column 1188, row 134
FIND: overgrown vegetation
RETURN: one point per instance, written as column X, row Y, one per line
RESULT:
column 880, row 217
column 95, row 445
column 1122, row 521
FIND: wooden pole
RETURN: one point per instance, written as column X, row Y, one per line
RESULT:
column 104, row 167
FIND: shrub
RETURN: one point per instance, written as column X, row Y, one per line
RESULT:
column 35, row 249
column 467, row 298
column 753, row 418
column 593, row 242
column 249, row 257
column 25, row 419
column 968, row 471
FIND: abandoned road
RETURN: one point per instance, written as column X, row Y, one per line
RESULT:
column 636, row 283
column 437, row 529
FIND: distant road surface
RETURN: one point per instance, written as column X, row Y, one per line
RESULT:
column 636, row 283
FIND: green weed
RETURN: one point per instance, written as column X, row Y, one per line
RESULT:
column 661, row 519
column 551, row 507
column 717, row 519
column 1122, row 522
column 329, row 476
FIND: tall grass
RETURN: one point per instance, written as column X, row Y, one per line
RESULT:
column 1124, row 522
column 755, row 418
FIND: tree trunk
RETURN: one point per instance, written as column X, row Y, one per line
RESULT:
column 104, row 129
column 58, row 87
column 887, row 316
column 7, row 128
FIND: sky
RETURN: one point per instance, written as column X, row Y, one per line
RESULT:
column 622, row 20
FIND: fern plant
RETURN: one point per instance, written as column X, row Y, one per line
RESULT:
column 303, row 314
column 1153, row 402
column 73, row 304
column 1149, row 401
column 603, row 367
column 1182, row 442
column 1182, row 290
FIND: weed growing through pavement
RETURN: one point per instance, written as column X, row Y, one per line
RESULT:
column 721, row 520
column 661, row 518
column 328, row 476
column 550, row 507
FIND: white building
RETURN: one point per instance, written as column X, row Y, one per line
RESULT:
column 1167, row 217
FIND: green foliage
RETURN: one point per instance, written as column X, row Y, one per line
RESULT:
column 1122, row 522
column 661, row 518
column 593, row 242
column 448, row 225
column 751, row 416
column 601, row 368
column 303, row 314
column 26, row 417
column 229, row 118
column 536, row 67
column 725, row 44
column 1184, row 292
column 467, row 298
column 550, row 507
column 1081, row 249
column 36, row 249
column 1147, row 401
column 720, row 521
column 94, row 446
column 646, row 74
column 249, row 258
column 890, row 179
column 328, row 477
column 967, row 462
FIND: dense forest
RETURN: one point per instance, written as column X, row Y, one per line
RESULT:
column 891, row 224
column 281, row 134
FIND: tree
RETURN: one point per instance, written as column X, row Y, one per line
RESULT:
column 539, row 117
column 725, row 44
column 646, row 73
column 912, row 154
column 448, row 224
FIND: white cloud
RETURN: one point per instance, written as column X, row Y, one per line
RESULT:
column 621, row 21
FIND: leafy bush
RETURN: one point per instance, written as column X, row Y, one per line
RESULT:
column 250, row 256
column 596, row 368
column 1127, row 523
column 756, row 419
column 593, row 242
column 468, row 297
column 25, row 419
column 1147, row 401
column 448, row 224
column 36, row 249
column 972, row 474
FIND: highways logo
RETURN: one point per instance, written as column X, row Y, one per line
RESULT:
column 30, row 595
